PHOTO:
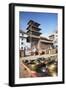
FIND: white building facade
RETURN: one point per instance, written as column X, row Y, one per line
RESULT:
column 23, row 44
column 22, row 40
column 54, row 37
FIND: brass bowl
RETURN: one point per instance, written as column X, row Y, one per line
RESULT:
column 52, row 70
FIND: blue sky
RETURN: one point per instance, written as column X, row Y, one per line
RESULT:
column 48, row 21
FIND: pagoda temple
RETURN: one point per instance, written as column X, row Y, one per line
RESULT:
column 38, row 43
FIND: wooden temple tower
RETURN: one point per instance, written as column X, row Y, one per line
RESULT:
column 33, row 32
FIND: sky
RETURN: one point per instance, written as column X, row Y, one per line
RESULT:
column 47, row 21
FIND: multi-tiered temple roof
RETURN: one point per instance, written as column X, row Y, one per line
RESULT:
column 33, row 29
